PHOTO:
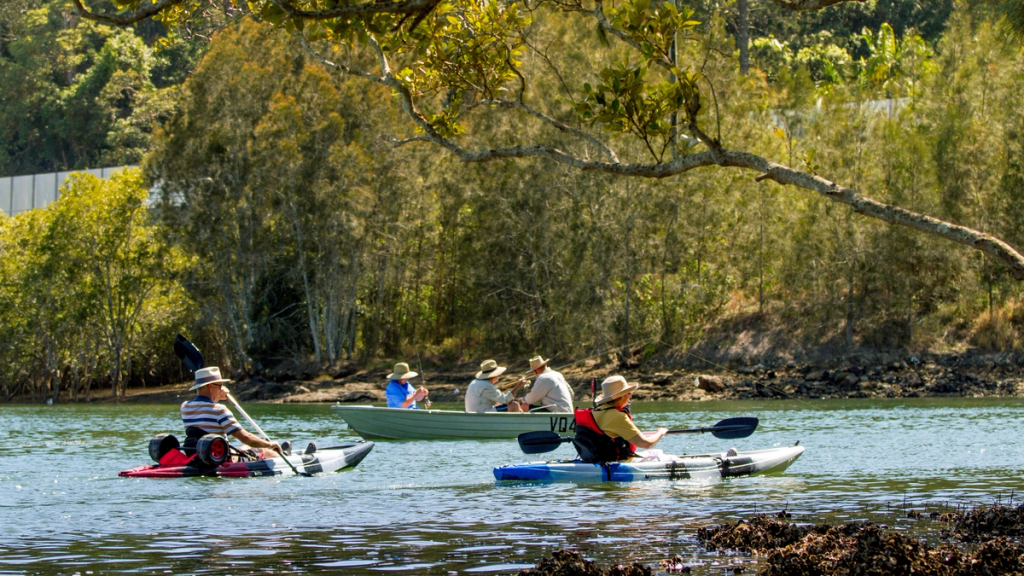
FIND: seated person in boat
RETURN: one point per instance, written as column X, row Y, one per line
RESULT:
column 206, row 413
column 400, row 393
column 483, row 396
column 606, row 433
column 550, row 391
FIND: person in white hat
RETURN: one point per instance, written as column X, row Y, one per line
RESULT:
column 206, row 413
column 550, row 391
column 483, row 396
column 400, row 393
column 608, row 428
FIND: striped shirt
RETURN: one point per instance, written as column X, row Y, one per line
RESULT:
column 204, row 413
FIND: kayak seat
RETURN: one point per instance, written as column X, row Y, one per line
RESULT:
column 192, row 436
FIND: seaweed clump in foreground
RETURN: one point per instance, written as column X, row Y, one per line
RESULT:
column 858, row 548
column 985, row 523
column 572, row 563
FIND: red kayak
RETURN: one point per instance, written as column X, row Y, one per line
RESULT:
column 212, row 458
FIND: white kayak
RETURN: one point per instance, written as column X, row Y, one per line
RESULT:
column 657, row 466
column 373, row 422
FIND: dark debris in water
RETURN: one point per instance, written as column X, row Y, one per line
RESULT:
column 858, row 549
column 572, row 563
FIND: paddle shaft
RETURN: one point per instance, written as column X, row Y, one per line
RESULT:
column 264, row 434
column 711, row 429
column 542, row 441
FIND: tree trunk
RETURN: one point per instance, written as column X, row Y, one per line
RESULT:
column 743, row 35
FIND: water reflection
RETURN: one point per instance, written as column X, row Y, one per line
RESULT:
column 433, row 507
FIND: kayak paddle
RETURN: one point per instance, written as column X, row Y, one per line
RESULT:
column 543, row 441
column 193, row 359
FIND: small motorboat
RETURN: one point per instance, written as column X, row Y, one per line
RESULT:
column 404, row 424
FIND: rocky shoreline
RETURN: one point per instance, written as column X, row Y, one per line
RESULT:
column 970, row 374
column 911, row 376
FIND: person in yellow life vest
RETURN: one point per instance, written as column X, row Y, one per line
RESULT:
column 606, row 433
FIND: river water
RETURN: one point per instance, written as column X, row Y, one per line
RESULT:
column 434, row 508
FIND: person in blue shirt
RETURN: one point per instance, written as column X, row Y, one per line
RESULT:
column 400, row 393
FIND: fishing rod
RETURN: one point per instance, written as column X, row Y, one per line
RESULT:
column 423, row 378
column 526, row 375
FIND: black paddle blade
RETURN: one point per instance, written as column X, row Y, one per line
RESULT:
column 541, row 441
column 188, row 353
column 731, row 428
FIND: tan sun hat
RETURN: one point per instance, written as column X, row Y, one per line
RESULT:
column 401, row 372
column 614, row 387
column 489, row 369
column 538, row 362
column 208, row 375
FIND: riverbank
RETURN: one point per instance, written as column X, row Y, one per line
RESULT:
column 879, row 375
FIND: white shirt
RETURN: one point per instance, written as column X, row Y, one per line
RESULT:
column 481, row 396
column 550, row 389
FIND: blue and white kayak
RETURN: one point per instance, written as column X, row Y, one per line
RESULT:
column 657, row 466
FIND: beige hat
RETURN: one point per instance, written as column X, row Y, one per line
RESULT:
column 614, row 387
column 208, row 375
column 538, row 362
column 401, row 372
column 489, row 369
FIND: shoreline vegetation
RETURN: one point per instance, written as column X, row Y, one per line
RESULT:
column 893, row 375
column 983, row 540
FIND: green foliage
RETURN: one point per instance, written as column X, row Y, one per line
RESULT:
column 82, row 279
column 78, row 95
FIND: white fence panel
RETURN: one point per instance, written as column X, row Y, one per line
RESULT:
column 5, row 195
column 22, row 192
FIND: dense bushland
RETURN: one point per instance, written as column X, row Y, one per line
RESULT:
column 287, row 228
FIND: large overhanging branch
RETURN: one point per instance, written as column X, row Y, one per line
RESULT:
column 127, row 17
column 802, row 5
column 716, row 155
column 364, row 9
column 769, row 170
column 148, row 10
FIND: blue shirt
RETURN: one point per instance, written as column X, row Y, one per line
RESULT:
column 397, row 393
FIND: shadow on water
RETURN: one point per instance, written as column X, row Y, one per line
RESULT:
column 434, row 507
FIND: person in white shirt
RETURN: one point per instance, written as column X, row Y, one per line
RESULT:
column 550, row 390
column 483, row 396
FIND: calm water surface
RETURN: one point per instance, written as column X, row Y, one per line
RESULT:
column 434, row 507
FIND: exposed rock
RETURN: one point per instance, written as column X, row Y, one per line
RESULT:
column 714, row 384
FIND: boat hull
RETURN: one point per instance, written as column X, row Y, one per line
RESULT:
column 372, row 422
column 328, row 459
column 699, row 466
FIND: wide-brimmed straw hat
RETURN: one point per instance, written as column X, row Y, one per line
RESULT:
column 208, row 375
column 489, row 369
column 401, row 372
column 538, row 362
column 614, row 387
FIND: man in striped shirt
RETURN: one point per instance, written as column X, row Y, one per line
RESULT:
column 206, row 412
